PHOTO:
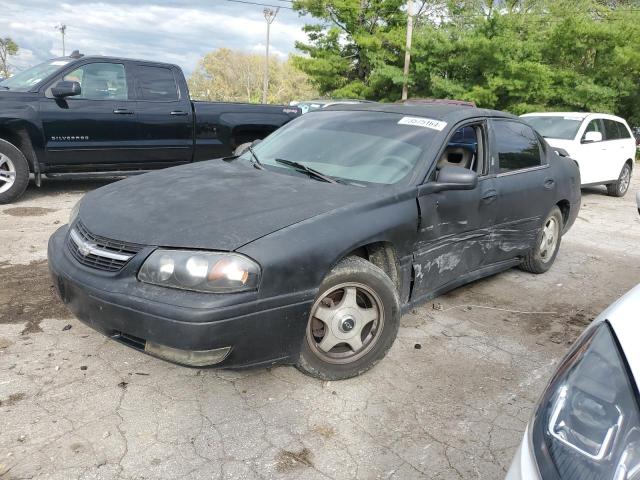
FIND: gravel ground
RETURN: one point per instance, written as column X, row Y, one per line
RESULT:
column 450, row 401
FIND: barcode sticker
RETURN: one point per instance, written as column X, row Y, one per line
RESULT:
column 423, row 122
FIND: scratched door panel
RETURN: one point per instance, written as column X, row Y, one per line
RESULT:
column 455, row 235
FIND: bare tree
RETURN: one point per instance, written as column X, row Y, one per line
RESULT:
column 7, row 48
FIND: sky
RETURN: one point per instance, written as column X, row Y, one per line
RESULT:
column 163, row 30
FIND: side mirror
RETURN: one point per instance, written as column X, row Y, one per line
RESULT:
column 591, row 137
column 451, row 178
column 65, row 88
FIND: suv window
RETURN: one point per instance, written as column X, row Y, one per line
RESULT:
column 611, row 129
column 622, row 129
column 100, row 81
column 517, row 145
column 156, row 84
column 594, row 126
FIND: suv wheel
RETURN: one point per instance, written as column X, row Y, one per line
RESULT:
column 619, row 188
column 542, row 256
column 353, row 322
column 14, row 172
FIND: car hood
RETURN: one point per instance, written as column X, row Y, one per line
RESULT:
column 214, row 205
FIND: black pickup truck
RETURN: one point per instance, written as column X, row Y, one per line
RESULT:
column 102, row 115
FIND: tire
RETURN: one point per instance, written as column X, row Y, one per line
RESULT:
column 359, row 301
column 619, row 188
column 543, row 254
column 14, row 172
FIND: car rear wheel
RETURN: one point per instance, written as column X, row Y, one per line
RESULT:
column 543, row 254
column 14, row 172
column 619, row 188
column 353, row 322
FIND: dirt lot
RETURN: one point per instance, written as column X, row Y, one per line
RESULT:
column 450, row 401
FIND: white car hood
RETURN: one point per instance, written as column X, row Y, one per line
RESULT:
column 624, row 317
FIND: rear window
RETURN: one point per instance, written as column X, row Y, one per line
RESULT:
column 156, row 84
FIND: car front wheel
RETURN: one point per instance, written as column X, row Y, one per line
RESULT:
column 542, row 255
column 619, row 188
column 353, row 322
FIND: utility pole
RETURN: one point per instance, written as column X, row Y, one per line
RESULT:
column 62, row 28
column 269, row 16
column 407, row 52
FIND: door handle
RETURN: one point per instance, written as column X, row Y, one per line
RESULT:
column 549, row 183
column 179, row 113
column 122, row 111
column 489, row 196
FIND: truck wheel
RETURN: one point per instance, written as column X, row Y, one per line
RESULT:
column 14, row 172
column 353, row 322
column 619, row 188
column 542, row 256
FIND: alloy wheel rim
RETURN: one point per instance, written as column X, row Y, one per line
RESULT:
column 550, row 233
column 625, row 179
column 345, row 323
column 7, row 173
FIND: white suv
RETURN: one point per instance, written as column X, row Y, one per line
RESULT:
column 602, row 145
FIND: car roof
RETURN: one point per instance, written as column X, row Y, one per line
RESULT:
column 581, row 115
column 113, row 59
column 444, row 112
column 624, row 317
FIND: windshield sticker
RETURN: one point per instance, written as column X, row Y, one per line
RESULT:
column 579, row 119
column 423, row 122
column 59, row 62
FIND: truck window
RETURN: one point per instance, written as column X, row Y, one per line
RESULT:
column 156, row 84
column 100, row 81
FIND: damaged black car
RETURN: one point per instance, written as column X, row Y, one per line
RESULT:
column 308, row 247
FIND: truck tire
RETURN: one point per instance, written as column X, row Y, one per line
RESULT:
column 619, row 188
column 543, row 254
column 14, row 172
column 353, row 321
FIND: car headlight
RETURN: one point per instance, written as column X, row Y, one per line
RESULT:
column 74, row 212
column 200, row 271
column 587, row 424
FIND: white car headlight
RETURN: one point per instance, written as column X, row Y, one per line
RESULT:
column 200, row 271
column 587, row 425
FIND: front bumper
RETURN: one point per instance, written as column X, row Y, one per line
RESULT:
column 233, row 330
column 524, row 465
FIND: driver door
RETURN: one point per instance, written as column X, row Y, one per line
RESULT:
column 454, row 237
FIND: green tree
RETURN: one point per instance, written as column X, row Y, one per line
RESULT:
column 7, row 48
column 228, row 75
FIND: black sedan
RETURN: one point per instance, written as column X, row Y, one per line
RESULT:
column 307, row 248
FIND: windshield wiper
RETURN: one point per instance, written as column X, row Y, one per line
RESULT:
column 4, row 86
column 255, row 160
column 302, row 167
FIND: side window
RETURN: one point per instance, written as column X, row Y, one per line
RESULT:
column 517, row 146
column 594, row 126
column 623, row 131
column 611, row 131
column 156, row 84
column 100, row 81
column 464, row 149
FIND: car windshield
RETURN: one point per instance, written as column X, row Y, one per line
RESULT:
column 355, row 146
column 555, row 126
column 24, row 81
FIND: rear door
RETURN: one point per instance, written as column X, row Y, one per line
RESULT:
column 96, row 127
column 165, row 116
column 617, row 141
column 526, row 188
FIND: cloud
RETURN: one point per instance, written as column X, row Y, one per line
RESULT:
column 160, row 31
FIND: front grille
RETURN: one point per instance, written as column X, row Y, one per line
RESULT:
column 100, row 256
